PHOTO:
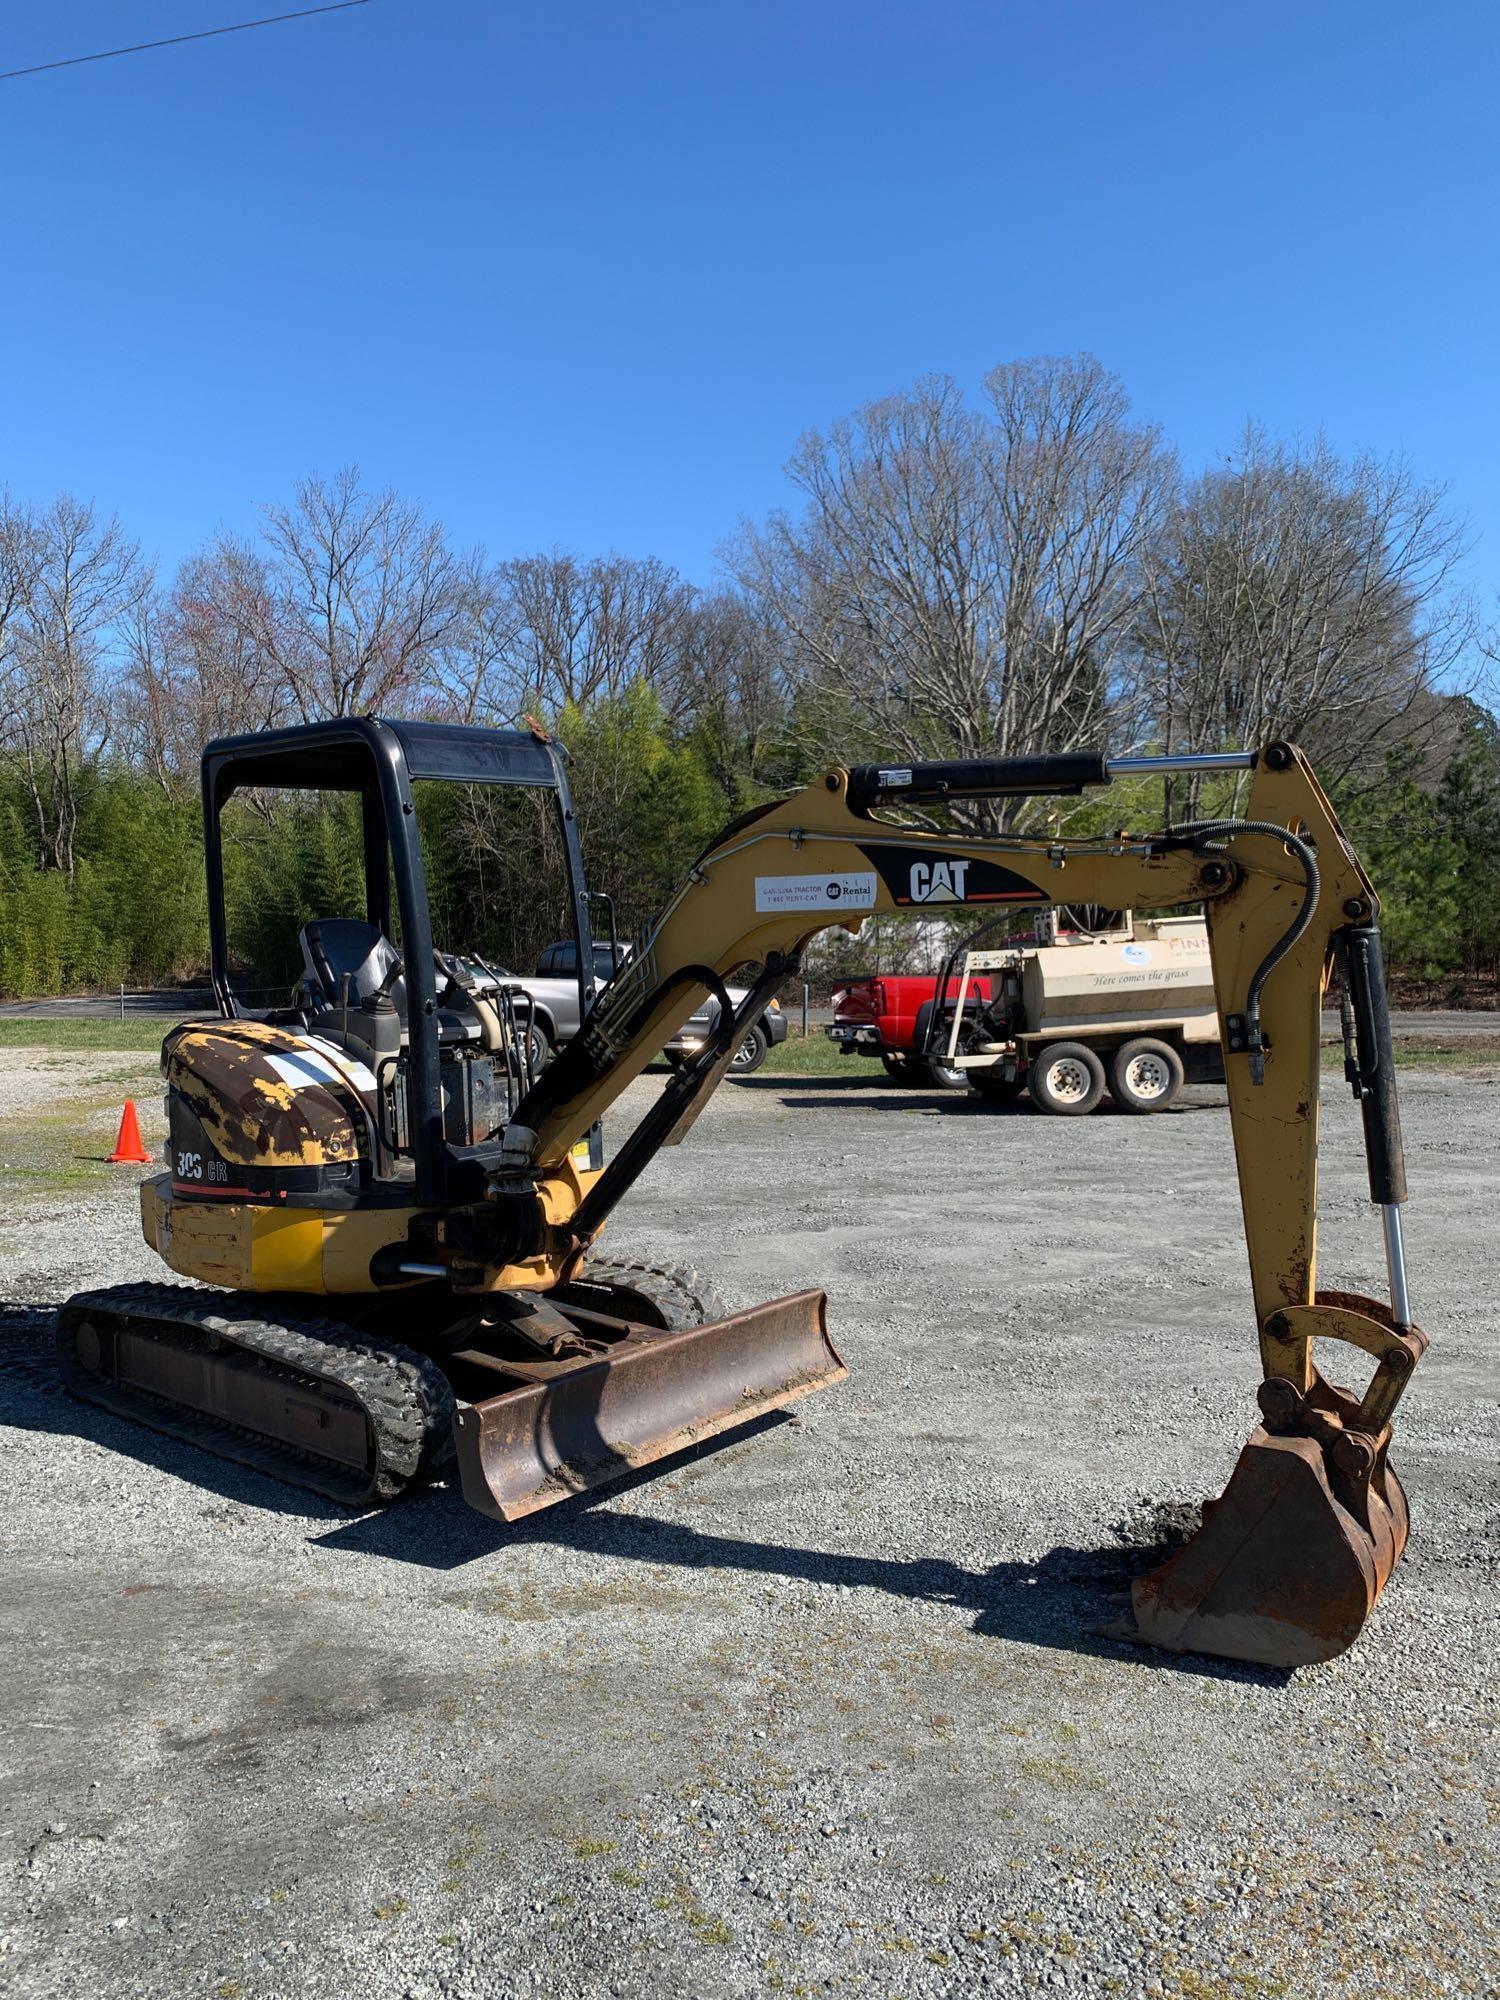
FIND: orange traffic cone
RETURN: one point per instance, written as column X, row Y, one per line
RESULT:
column 129, row 1152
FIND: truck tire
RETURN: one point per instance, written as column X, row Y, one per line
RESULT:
column 751, row 1052
column 1145, row 1075
column 896, row 1066
column 931, row 1069
column 1066, row 1078
column 538, row 1048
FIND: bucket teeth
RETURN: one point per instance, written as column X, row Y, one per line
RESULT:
column 1282, row 1572
column 650, row 1396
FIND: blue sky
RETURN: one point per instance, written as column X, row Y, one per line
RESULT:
column 579, row 275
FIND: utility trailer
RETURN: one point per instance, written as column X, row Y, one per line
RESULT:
column 1127, row 1009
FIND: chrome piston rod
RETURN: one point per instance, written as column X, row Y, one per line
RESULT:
column 1395, row 1263
column 1207, row 760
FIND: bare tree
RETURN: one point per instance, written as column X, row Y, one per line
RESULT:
column 20, row 557
column 733, row 690
column 82, row 578
column 361, row 593
column 197, row 664
column 589, row 629
column 473, row 664
column 963, row 585
column 1294, row 593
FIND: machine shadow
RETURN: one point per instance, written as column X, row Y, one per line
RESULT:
column 1060, row 1601
column 829, row 1093
column 960, row 1104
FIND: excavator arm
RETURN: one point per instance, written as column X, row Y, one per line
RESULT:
column 1291, row 1558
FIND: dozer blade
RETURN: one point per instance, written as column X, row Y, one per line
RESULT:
column 655, row 1394
column 1282, row 1573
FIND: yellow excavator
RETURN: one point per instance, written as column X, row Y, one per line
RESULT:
column 394, row 1216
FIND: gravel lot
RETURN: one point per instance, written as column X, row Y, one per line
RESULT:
column 816, row 1712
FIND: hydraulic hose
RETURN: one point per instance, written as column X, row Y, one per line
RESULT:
column 1200, row 834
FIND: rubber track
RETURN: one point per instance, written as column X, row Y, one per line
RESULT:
column 405, row 1397
column 682, row 1297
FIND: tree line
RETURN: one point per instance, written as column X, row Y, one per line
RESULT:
column 1028, row 570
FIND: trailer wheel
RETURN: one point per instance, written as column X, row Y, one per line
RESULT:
column 1066, row 1078
column 1145, row 1075
column 932, row 1069
column 538, row 1048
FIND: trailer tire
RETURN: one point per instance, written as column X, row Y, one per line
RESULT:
column 1145, row 1075
column 1066, row 1079
column 538, row 1047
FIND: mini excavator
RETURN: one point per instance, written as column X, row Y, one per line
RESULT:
column 393, row 1217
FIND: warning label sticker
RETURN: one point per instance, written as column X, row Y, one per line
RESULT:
column 844, row 891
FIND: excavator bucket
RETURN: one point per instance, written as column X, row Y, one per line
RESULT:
column 1290, row 1558
column 574, row 1425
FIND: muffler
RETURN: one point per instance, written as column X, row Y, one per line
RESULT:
column 578, row 1424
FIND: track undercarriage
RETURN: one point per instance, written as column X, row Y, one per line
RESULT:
column 537, row 1397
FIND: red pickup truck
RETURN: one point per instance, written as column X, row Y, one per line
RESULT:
column 887, row 1017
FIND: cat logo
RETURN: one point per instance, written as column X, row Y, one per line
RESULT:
column 914, row 876
column 938, row 881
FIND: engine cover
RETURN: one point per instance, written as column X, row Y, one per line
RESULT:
column 261, row 1113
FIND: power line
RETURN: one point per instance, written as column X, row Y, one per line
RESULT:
column 171, row 41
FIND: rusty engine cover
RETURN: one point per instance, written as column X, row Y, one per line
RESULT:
column 257, row 1112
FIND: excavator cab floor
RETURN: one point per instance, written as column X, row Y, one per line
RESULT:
column 571, row 1425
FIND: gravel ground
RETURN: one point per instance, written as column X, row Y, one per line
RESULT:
column 816, row 1712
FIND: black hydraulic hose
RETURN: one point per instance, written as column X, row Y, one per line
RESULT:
column 1201, row 833
column 678, row 1097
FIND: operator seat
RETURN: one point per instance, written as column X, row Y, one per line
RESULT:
column 333, row 946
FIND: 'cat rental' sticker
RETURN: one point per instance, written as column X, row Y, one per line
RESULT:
column 844, row 891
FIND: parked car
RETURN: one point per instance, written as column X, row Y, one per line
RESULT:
column 557, row 1012
column 887, row 1017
